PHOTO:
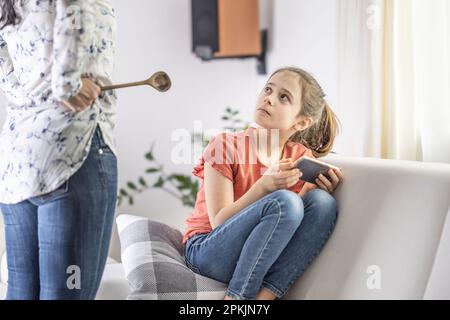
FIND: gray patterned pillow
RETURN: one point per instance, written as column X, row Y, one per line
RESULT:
column 152, row 257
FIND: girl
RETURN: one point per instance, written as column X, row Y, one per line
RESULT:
column 256, row 226
column 58, row 170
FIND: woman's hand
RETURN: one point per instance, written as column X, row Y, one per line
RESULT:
column 329, row 185
column 84, row 99
column 281, row 175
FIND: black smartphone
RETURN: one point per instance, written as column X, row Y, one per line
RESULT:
column 312, row 168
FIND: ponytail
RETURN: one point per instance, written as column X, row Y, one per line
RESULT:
column 320, row 136
column 327, row 129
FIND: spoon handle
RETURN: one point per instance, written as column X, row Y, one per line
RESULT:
column 123, row 85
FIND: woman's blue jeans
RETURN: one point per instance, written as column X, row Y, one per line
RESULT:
column 57, row 244
column 268, row 244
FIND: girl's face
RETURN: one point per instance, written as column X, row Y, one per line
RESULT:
column 279, row 104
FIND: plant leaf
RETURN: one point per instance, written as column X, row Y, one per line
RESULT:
column 132, row 186
column 142, row 182
column 180, row 178
column 149, row 156
column 159, row 183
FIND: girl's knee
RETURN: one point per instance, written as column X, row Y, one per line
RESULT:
column 324, row 204
column 290, row 203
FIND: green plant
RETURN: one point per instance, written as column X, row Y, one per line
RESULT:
column 182, row 187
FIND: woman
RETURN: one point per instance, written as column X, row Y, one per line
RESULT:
column 58, row 169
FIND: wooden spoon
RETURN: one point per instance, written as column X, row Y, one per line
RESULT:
column 159, row 80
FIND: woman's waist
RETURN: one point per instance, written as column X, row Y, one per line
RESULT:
column 45, row 137
column 40, row 98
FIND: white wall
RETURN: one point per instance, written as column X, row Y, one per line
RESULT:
column 156, row 35
column 304, row 34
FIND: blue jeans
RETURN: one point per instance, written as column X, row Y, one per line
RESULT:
column 268, row 244
column 57, row 244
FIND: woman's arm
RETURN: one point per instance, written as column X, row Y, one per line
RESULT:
column 8, row 80
column 72, row 44
column 219, row 192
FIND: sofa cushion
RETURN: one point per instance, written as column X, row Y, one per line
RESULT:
column 3, row 269
column 3, row 288
column 153, row 260
column 3, row 276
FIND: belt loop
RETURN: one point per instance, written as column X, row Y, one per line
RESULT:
column 98, row 133
column 96, row 137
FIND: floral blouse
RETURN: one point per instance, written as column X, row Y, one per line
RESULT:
column 42, row 60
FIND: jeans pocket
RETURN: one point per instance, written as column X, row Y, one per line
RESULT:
column 101, row 142
column 48, row 197
column 105, row 149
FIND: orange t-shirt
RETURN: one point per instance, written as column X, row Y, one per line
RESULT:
column 240, row 164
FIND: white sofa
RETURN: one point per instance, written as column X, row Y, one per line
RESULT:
column 392, row 239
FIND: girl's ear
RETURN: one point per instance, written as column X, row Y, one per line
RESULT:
column 303, row 124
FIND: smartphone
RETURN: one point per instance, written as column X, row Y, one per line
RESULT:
column 312, row 168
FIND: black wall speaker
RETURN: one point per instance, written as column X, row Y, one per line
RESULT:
column 228, row 29
column 205, row 28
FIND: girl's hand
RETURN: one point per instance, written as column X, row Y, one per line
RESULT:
column 84, row 99
column 329, row 186
column 282, row 175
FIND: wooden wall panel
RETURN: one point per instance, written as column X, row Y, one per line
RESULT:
column 239, row 33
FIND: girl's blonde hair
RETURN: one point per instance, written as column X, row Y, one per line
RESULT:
column 319, row 137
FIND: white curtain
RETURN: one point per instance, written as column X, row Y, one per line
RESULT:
column 354, row 103
column 431, row 39
column 394, row 72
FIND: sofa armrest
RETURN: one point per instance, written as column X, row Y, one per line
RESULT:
column 438, row 284
column 391, row 217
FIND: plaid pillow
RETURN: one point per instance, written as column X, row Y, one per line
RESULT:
column 152, row 257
